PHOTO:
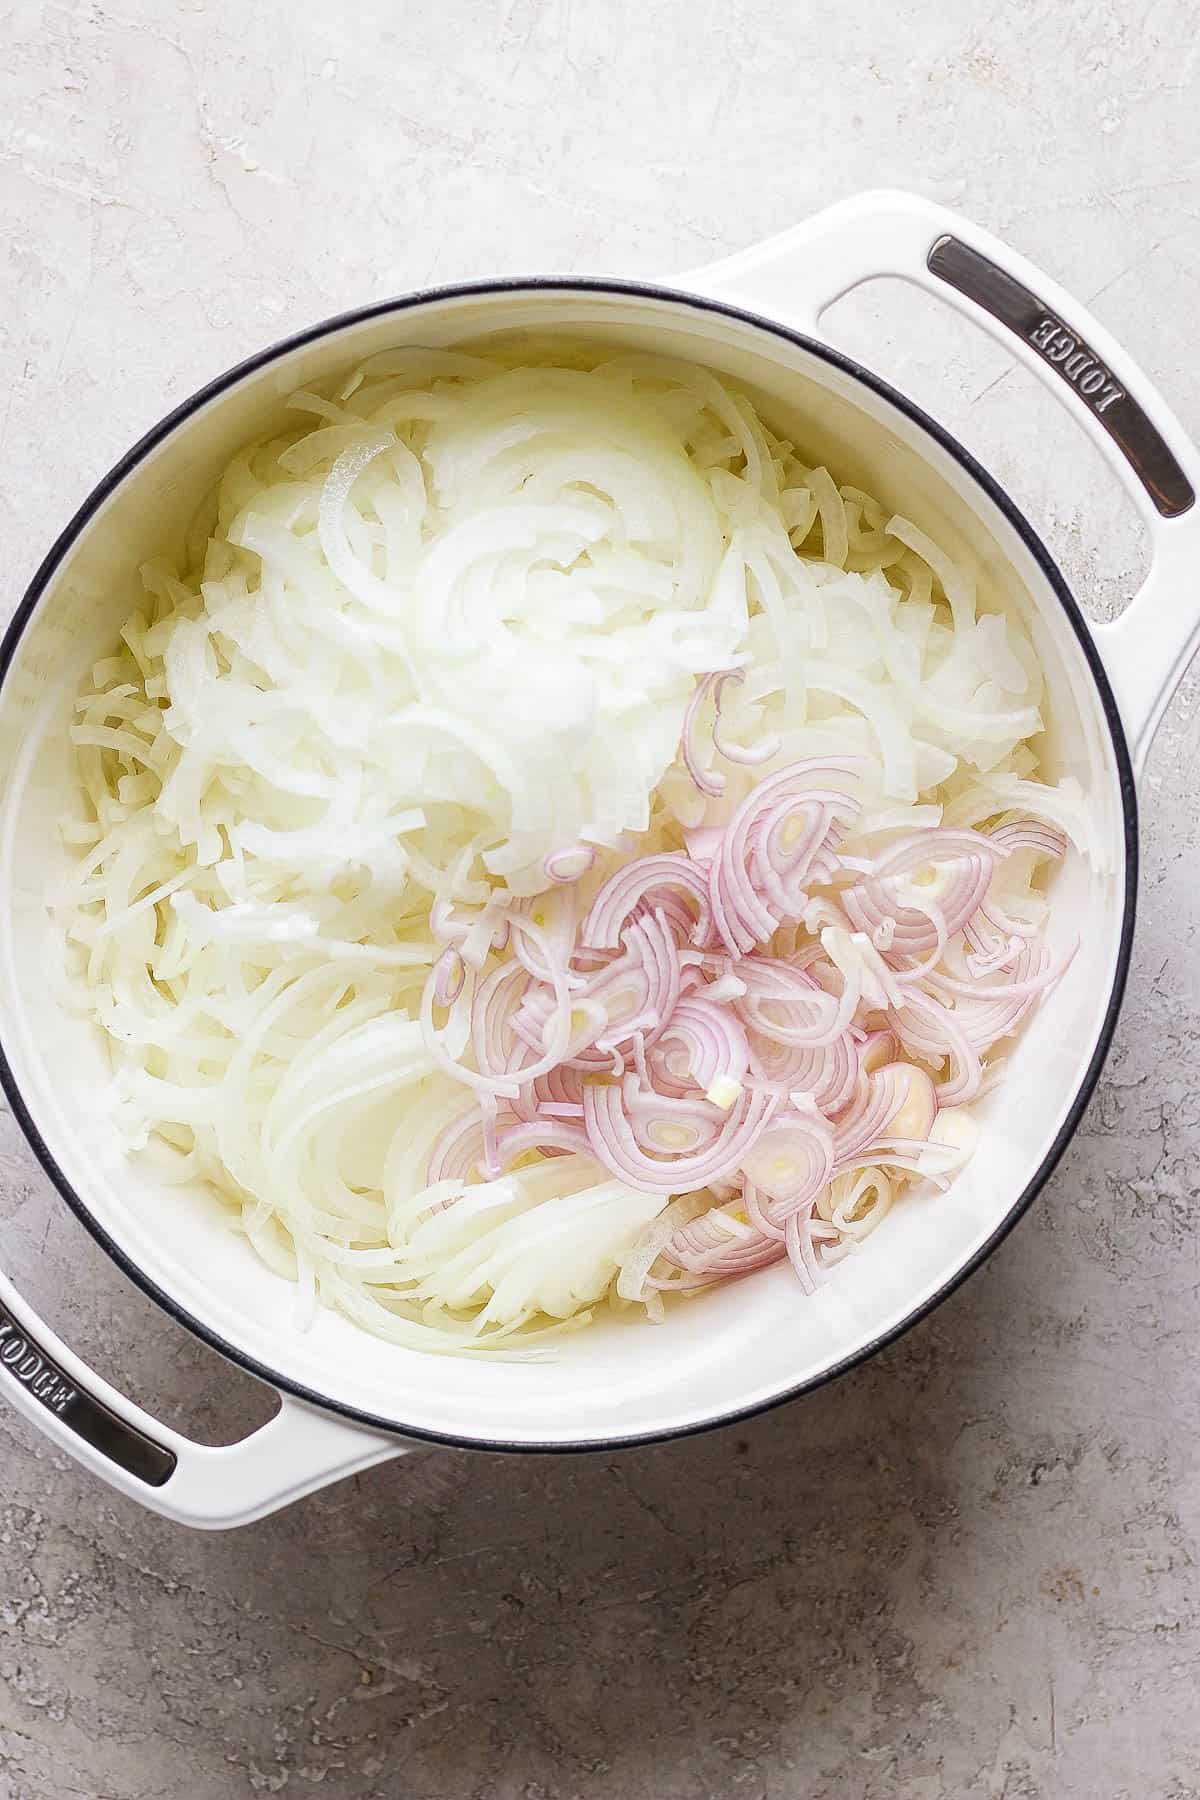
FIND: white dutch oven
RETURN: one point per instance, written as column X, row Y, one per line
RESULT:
column 347, row 1400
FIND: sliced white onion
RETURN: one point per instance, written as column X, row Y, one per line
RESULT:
column 446, row 644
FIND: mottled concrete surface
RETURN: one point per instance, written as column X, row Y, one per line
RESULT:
column 969, row 1569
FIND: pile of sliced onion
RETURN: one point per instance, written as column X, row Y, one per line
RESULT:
column 545, row 842
column 672, row 1041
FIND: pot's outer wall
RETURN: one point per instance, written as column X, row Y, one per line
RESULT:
column 77, row 575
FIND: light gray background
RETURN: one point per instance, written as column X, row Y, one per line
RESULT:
column 969, row 1569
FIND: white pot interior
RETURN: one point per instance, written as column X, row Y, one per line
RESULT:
column 737, row 1346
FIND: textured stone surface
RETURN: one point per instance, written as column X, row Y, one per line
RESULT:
column 969, row 1569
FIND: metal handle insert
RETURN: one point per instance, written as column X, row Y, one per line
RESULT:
column 1069, row 355
column 22, row 1360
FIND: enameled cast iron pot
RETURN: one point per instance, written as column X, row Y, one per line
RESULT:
column 346, row 1399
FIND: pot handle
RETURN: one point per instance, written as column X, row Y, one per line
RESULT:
column 297, row 1451
column 795, row 276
